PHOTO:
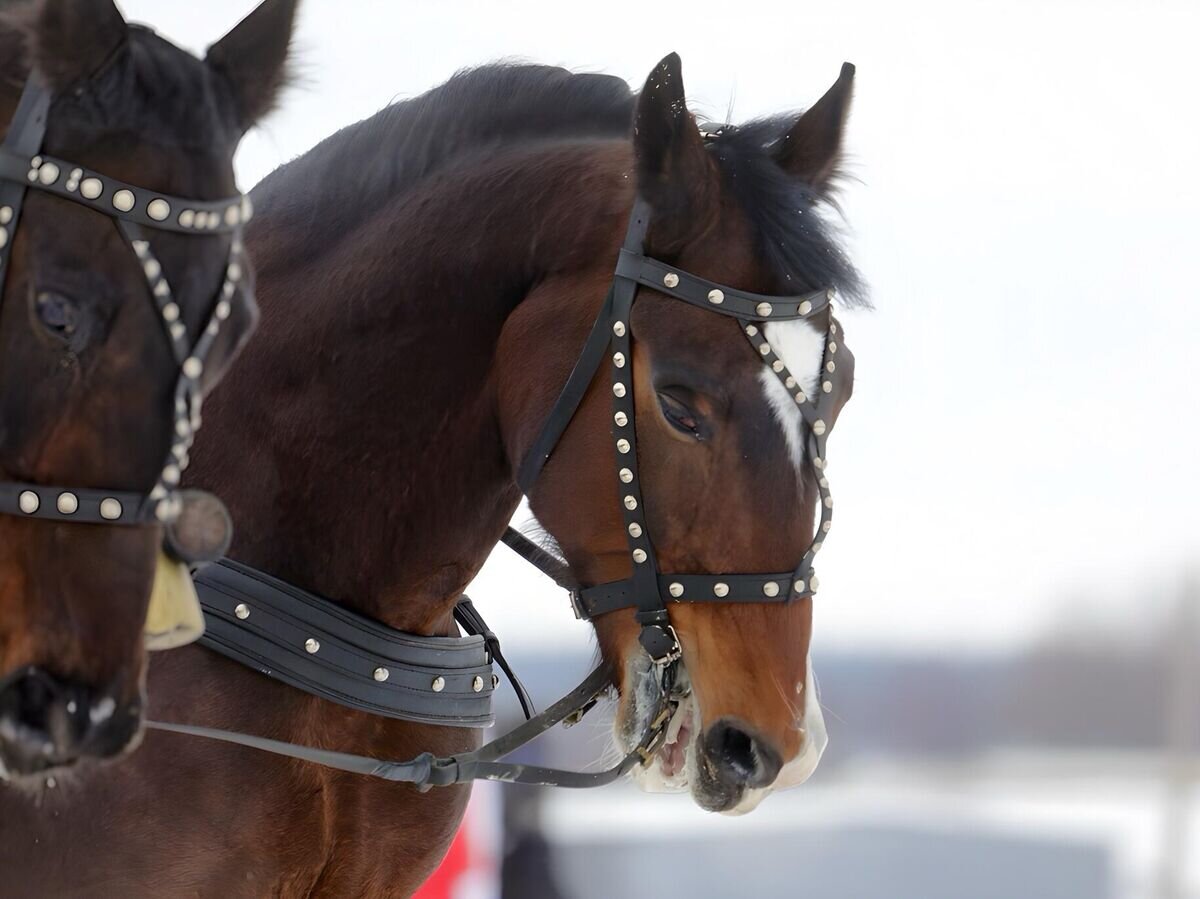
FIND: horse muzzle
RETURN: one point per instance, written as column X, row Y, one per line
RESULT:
column 48, row 723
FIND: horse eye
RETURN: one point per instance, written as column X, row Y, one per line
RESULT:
column 58, row 314
column 679, row 415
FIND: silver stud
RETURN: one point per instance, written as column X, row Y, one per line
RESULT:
column 825, row 526
column 824, row 482
column 833, row 327
column 764, row 348
column 829, row 502
column 178, row 331
column 495, row 681
column 170, row 312
column 832, row 347
column 829, row 294
column 123, row 200
column 141, row 247
column 816, row 547
column 182, row 427
column 635, row 529
column 619, row 360
column 630, row 503
column 675, row 589
column 227, row 289
column 91, row 188
column 110, row 509
column 764, row 309
column 716, row 296
column 799, row 587
column 162, row 289
column 233, row 215
column 68, row 503
column 187, row 218
column 439, row 684
column 6, row 215
column 152, row 269
column 830, row 367
column 827, row 386
column 789, row 382
column 618, row 389
column 158, row 210
column 671, row 279
column 242, row 611
column 805, row 308
column 622, row 446
column 777, row 366
column 626, row 475
column 770, row 588
column 477, row 684
column 818, row 427
column 234, row 272
column 720, row 589
column 171, row 475
column 751, row 330
column 814, row 583
column 223, row 310
column 48, row 173
column 801, row 398
column 28, row 502
column 621, row 419
column 312, row 645
column 619, row 328
column 3, row 237
column 193, row 367
column 639, row 556
column 381, row 674
column 818, row 463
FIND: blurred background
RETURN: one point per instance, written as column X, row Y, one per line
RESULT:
column 1007, row 634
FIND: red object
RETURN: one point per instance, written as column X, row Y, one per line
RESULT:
column 471, row 868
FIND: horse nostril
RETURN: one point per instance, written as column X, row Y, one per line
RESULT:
column 46, row 722
column 739, row 757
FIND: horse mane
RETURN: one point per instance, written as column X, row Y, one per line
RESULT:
column 350, row 175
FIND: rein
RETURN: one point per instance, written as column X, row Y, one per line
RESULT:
column 135, row 213
column 644, row 591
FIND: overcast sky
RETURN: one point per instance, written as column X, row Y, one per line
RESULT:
column 1022, row 441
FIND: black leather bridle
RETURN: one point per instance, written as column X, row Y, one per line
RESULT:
column 644, row 591
column 136, row 212
column 649, row 591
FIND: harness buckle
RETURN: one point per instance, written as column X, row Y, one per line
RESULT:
column 577, row 605
column 661, row 642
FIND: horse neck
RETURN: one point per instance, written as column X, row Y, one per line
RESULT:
column 357, row 441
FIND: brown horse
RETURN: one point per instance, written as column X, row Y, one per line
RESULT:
column 427, row 279
column 88, row 373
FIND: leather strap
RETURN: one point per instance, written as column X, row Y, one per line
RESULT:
column 317, row 646
column 427, row 771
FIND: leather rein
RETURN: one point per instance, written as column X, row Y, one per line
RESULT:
column 239, row 606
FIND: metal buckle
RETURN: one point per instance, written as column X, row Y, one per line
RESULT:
column 577, row 605
column 658, row 734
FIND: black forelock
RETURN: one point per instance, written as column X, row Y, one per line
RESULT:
column 794, row 237
column 159, row 92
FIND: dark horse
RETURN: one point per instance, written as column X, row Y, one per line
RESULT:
column 427, row 279
column 88, row 373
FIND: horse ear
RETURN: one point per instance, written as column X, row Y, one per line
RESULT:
column 811, row 150
column 68, row 40
column 674, row 173
column 252, row 58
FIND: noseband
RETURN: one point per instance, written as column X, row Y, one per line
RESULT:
column 134, row 210
column 649, row 590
